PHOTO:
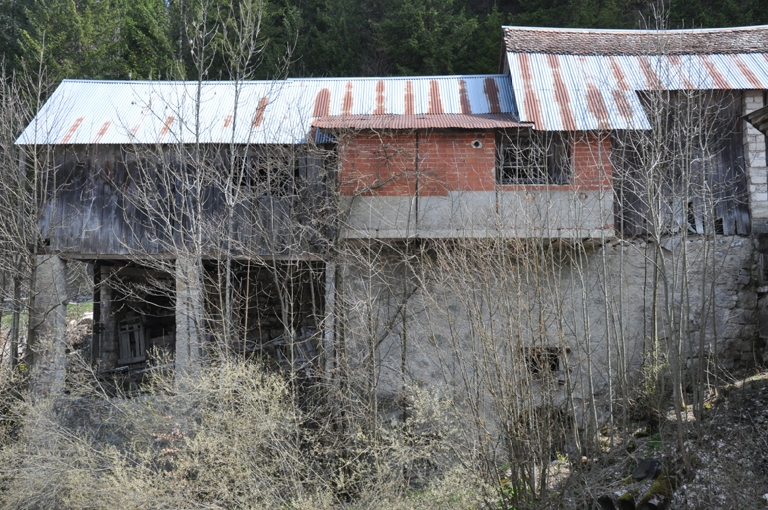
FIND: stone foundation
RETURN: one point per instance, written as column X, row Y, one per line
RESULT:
column 468, row 315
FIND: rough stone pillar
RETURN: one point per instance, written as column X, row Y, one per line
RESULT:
column 755, row 158
column 48, row 326
column 189, row 315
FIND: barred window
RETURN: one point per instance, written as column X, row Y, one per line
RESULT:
column 529, row 157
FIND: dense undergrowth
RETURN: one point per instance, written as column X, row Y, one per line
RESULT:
column 235, row 436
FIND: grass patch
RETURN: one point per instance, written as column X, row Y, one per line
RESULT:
column 74, row 311
column 8, row 317
column 77, row 310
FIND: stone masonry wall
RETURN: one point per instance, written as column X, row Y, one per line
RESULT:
column 466, row 315
column 755, row 156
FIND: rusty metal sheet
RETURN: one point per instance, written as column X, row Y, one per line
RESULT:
column 589, row 92
column 428, row 121
column 135, row 112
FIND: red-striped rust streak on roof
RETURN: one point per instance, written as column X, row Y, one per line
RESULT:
column 166, row 127
column 227, row 120
column 747, row 72
column 322, row 103
column 625, row 110
column 258, row 117
column 561, row 94
column 597, row 106
column 346, row 106
column 445, row 121
column 675, row 59
column 101, row 132
column 380, row 108
column 618, row 74
column 492, row 94
column 651, row 78
column 409, row 98
column 435, row 104
column 720, row 81
column 72, row 130
column 466, row 108
column 531, row 103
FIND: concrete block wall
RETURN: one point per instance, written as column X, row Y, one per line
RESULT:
column 755, row 157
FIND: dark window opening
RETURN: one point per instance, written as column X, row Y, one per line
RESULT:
column 543, row 360
column 694, row 223
column 266, row 174
column 763, row 272
column 528, row 157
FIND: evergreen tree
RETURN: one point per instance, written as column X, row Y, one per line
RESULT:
column 13, row 21
column 97, row 38
column 426, row 36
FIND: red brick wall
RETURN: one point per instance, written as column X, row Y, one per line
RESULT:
column 385, row 163
column 591, row 155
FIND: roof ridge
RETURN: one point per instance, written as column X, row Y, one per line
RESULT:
column 638, row 30
column 570, row 41
column 285, row 80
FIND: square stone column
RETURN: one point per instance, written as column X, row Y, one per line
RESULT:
column 48, row 327
column 189, row 316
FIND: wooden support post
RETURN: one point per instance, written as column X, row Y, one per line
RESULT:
column 48, row 327
column 107, row 355
column 97, row 325
column 329, row 324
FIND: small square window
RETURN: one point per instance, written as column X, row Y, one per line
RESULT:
column 543, row 360
column 529, row 157
column 265, row 174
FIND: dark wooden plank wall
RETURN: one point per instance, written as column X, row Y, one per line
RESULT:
column 707, row 171
column 103, row 201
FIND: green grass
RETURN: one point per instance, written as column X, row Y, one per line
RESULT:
column 74, row 311
column 655, row 443
column 8, row 317
column 77, row 310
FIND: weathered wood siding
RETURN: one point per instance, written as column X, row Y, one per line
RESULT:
column 104, row 201
column 688, row 172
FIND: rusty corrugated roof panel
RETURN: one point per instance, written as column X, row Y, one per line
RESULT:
column 576, row 41
column 411, row 95
column 429, row 121
column 759, row 119
column 571, row 93
column 569, row 79
column 124, row 112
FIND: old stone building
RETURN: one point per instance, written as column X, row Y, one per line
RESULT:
column 598, row 202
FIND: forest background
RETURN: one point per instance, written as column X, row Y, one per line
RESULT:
column 147, row 39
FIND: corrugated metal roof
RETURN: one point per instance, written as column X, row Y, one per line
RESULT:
column 109, row 112
column 598, row 91
column 445, row 121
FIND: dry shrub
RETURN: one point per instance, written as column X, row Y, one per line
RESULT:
column 233, row 437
